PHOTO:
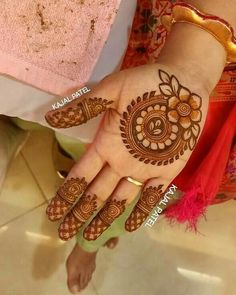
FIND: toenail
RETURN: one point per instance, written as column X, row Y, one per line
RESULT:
column 75, row 289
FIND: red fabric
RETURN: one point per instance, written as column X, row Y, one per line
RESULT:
column 210, row 175
column 203, row 174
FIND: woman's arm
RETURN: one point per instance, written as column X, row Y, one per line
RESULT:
column 196, row 51
column 220, row 8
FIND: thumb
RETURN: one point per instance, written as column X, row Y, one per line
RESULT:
column 88, row 106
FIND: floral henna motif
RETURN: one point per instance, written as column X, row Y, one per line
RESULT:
column 75, row 219
column 157, row 129
column 85, row 110
column 65, row 197
column 112, row 210
column 148, row 200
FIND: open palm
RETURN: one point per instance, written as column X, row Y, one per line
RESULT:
column 151, row 124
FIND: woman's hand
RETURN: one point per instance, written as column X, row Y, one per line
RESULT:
column 153, row 118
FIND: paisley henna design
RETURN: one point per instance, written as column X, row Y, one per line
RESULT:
column 85, row 110
column 148, row 200
column 65, row 197
column 112, row 210
column 157, row 129
column 76, row 218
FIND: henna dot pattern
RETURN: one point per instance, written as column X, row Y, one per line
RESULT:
column 76, row 218
column 159, row 128
column 112, row 210
column 149, row 198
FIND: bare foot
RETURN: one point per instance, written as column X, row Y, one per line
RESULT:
column 111, row 243
column 80, row 267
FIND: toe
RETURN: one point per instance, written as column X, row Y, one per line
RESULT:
column 111, row 243
column 72, row 278
column 74, row 289
column 73, row 283
column 80, row 266
column 84, row 280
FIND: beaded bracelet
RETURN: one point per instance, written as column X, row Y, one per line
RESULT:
column 216, row 26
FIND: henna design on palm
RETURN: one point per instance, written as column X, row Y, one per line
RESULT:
column 112, row 210
column 85, row 110
column 148, row 200
column 158, row 128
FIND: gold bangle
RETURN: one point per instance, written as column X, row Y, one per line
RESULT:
column 214, row 25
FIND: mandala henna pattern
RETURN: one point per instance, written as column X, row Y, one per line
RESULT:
column 159, row 128
column 112, row 210
column 85, row 110
column 75, row 219
column 148, row 200
column 65, row 197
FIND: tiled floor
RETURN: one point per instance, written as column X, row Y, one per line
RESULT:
column 162, row 260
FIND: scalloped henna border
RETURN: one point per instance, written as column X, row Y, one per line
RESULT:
column 166, row 80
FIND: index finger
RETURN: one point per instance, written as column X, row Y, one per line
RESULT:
column 75, row 184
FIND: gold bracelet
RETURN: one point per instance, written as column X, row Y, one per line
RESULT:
column 214, row 25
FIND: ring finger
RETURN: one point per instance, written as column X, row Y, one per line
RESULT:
column 122, row 196
column 92, row 199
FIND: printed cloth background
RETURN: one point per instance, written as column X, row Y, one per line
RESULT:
column 53, row 45
column 210, row 175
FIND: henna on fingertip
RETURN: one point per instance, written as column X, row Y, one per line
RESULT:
column 105, row 217
column 65, row 197
column 76, row 218
column 148, row 200
column 82, row 112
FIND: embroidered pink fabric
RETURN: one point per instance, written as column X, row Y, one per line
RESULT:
column 42, row 43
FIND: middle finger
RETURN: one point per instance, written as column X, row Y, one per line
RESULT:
column 92, row 199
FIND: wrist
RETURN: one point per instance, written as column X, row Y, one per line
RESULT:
column 223, row 9
column 195, row 53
